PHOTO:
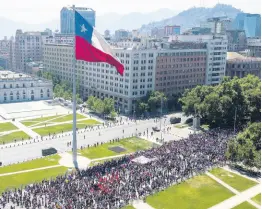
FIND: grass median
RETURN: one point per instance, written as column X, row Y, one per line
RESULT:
column 22, row 179
column 17, row 135
column 7, row 127
column 32, row 164
column 130, row 145
column 234, row 180
column 257, row 199
column 196, row 193
column 245, row 205
column 56, row 129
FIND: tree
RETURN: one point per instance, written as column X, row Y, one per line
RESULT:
column 113, row 114
column 99, row 106
column 67, row 95
column 154, row 100
column 218, row 105
column 58, row 91
column 78, row 99
column 246, row 147
column 109, row 105
column 142, row 107
column 91, row 102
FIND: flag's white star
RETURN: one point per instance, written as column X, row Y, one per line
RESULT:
column 83, row 28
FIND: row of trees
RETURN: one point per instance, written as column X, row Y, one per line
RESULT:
column 236, row 100
column 102, row 107
column 62, row 89
column 151, row 103
column 246, row 147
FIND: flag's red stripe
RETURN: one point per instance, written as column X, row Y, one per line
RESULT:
column 87, row 52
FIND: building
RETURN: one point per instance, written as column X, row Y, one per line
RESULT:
column 67, row 18
column 107, row 33
column 101, row 79
column 28, row 47
column 34, row 67
column 254, row 46
column 216, row 54
column 158, row 32
column 121, row 34
column 198, row 31
column 18, row 87
column 217, row 24
column 239, row 65
column 251, row 23
column 180, row 67
column 172, row 30
column 12, row 60
column 237, row 40
column 63, row 38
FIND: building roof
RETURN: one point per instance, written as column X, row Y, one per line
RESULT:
column 234, row 56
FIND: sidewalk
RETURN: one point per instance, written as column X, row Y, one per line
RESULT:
column 25, row 129
column 238, row 198
column 30, row 170
column 139, row 204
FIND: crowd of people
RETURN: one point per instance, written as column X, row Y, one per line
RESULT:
column 116, row 183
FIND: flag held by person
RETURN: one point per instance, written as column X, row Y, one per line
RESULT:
column 84, row 45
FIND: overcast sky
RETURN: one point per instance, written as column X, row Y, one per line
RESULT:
column 39, row 11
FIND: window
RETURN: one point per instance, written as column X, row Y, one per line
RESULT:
column 32, row 84
column 4, row 86
column 32, row 91
column 11, row 86
column 17, row 86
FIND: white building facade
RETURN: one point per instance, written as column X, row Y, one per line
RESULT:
column 101, row 79
column 15, row 87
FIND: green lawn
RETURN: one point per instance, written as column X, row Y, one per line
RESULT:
column 18, row 135
column 257, row 199
column 128, row 207
column 64, row 127
column 245, row 205
column 132, row 144
column 38, row 163
column 22, row 179
column 181, row 125
column 67, row 118
column 7, row 127
column 198, row 192
column 40, row 121
column 236, row 181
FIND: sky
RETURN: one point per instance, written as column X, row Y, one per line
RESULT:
column 41, row 11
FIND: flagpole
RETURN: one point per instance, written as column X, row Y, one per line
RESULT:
column 74, row 97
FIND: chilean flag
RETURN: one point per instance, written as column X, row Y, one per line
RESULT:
column 85, row 39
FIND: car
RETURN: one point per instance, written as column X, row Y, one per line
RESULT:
column 156, row 128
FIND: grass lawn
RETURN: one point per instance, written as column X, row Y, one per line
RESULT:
column 67, row 118
column 7, row 127
column 40, row 121
column 204, row 126
column 245, row 205
column 257, row 199
column 64, row 127
column 18, row 180
column 181, row 125
column 38, row 163
column 128, row 207
column 18, row 135
column 196, row 193
column 132, row 144
column 236, row 181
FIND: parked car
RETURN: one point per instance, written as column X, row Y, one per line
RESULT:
column 156, row 128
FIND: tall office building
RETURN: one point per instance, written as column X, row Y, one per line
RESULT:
column 28, row 47
column 237, row 40
column 251, row 23
column 216, row 54
column 217, row 24
column 67, row 16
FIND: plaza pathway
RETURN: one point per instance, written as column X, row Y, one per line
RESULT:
column 239, row 198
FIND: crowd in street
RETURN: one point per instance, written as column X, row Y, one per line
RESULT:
column 116, row 183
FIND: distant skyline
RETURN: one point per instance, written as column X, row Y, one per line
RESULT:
column 41, row 11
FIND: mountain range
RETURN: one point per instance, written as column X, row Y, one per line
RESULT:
column 143, row 21
column 193, row 16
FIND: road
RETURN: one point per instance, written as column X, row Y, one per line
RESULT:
column 31, row 151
